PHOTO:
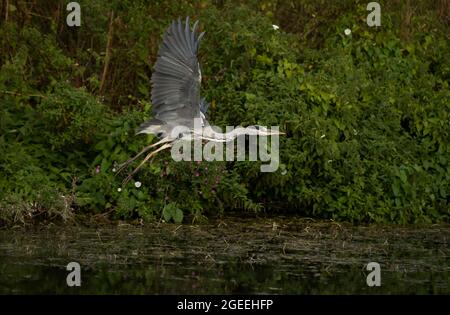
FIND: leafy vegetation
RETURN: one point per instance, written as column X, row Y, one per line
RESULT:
column 367, row 115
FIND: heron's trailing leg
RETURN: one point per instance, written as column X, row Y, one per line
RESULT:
column 122, row 166
column 127, row 179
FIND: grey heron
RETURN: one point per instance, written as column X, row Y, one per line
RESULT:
column 176, row 97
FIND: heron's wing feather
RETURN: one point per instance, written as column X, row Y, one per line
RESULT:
column 176, row 77
column 204, row 105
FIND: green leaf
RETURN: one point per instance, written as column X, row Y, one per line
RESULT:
column 403, row 176
column 167, row 214
column 396, row 189
column 178, row 217
column 171, row 211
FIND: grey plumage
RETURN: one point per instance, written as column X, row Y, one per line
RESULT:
column 176, row 81
column 176, row 96
column 204, row 105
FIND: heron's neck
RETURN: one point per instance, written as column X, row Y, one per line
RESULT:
column 209, row 134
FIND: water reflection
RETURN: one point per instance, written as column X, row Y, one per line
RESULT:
column 274, row 256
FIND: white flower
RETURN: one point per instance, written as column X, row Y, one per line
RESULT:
column 275, row 27
column 137, row 184
column 114, row 169
column 119, row 189
column 355, row 132
column 329, row 161
column 347, row 31
column 322, row 136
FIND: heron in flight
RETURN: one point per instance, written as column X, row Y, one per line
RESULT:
column 176, row 97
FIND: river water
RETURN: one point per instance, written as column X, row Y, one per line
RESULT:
column 230, row 256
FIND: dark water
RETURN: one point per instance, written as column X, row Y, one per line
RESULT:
column 274, row 256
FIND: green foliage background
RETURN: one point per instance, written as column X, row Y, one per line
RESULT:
column 366, row 115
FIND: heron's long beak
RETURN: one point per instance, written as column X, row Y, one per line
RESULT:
column 276, row 133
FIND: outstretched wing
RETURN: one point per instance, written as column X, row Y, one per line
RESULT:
column 176, row 77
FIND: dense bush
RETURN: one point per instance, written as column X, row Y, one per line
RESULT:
column 367, row 115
